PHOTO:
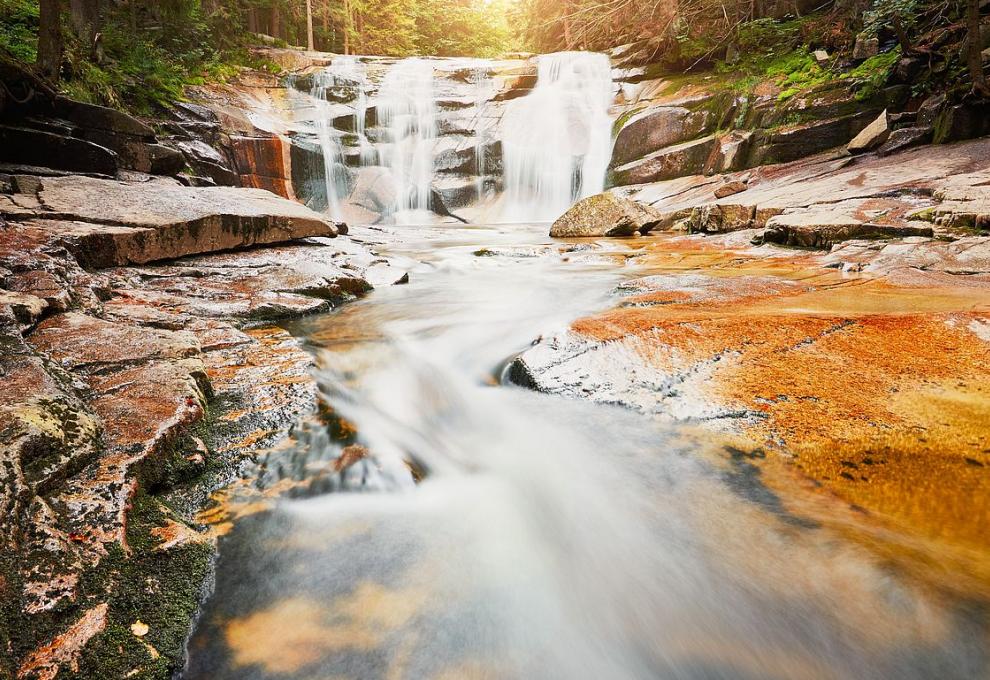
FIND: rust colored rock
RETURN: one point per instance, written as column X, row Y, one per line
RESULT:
column 80, row 341
column 730, row 188
column 46, row 662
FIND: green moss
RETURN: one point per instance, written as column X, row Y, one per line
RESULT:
column 872, row 74
column 161, row 589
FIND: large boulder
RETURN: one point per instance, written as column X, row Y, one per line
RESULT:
column 793, row 142
column 656, row 128
column 606, row 215
column 689, row 158
column 61, row 152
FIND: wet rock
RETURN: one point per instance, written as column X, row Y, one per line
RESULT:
column 656, row 128
column 688, row 158
column 374, row 190
column 606, row 215
column 23, row 145
column 962, row 121
column 872, row 136
column 825, row 229
column 107, row 223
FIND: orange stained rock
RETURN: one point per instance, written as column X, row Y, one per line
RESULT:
column 878, row 393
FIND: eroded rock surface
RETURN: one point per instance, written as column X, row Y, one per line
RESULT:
column 863, row 371
column 131, row 392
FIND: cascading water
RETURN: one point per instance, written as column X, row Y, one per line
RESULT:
column 407, row 108
column 557, row 140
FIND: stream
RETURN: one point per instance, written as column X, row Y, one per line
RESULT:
column 548, row 538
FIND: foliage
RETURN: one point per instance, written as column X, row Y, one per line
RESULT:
column 872, row 74
column 19, row 28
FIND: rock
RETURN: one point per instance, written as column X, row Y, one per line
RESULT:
column 905, row 138
column 823, row 229
column 962, row 121
column 715, row 218
column 929, row 110
column 730, row 188
column 872, row 136
column 107, row 223
column 689, row 158
column 62, row 152
column 793, row 142
column 865, row 48
column 606, row 215
column 96, row 117
column 732, row 151
column 821, row 56
column 374, row 190
column 654, row 129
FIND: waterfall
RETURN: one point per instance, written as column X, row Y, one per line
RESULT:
column 344, row 80
column 556, row 141
column 395, row 135
column 406, row 107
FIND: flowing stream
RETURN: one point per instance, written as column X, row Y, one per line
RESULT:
column 549, row 538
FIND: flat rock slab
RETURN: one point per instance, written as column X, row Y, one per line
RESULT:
column 108, row 223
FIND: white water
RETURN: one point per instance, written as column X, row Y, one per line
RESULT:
column 407, row 107
column 552, row 539
column 557, row 140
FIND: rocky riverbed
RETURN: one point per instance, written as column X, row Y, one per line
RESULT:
column 826, row 321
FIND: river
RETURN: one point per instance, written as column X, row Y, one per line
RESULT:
column 548, row 538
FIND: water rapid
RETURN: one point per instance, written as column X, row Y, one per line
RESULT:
column 549, row 538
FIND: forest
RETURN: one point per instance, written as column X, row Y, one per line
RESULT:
column 138, row 54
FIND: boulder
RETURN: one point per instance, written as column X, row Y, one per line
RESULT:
column 930, row 108
column 793, row 142
column 606, row 215
column 94, row 117
column 61, row 152
column 715, row 218
column 865, row 48
column 654, row 129
column 962, row 121
column 872, row 136
column 905, row 138
column 730, row 188
column 823, row 229
column 731, row 152
column 680, row 160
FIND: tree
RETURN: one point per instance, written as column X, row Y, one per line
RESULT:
column 974, row 39
column 50, row 40
column 310, row 42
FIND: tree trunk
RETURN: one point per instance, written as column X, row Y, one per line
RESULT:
column 50, row 42
column 975, row 40
column 275, row 28
column 310, row 42
column 347, row 27
column 252, row 20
